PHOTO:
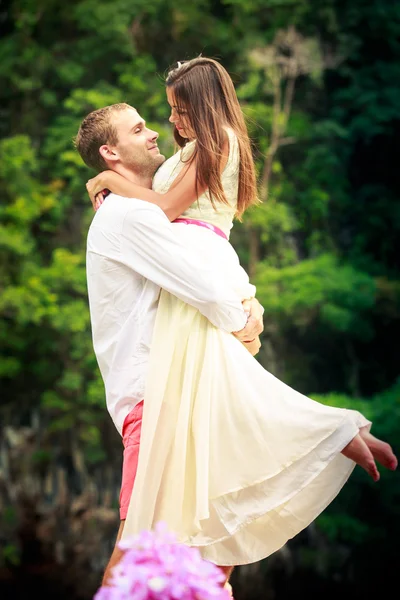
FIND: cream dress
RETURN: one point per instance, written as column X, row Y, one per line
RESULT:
column 232, row 459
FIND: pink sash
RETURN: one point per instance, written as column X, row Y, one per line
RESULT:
column 213, row 228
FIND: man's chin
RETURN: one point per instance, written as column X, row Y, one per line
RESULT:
column 160, row 159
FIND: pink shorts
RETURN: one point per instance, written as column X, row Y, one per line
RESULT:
column 131, row 439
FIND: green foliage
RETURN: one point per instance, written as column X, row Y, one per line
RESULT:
column 320, row 290
column 322, row 248
column 10, row 556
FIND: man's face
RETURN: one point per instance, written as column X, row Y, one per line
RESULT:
column 137, row 148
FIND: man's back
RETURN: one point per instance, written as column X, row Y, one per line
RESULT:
column 123, row 306
column 132, row 252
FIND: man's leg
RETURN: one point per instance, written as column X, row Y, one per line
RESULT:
column 131, row 439
column 115, row 556
column 227, row 571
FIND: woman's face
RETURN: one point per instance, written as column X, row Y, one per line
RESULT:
column 179, row 117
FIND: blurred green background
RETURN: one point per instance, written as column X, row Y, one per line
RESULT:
column 319, row 82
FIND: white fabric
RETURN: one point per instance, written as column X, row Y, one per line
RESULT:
column 132, row 251
column 202, row 209
column 232, row 459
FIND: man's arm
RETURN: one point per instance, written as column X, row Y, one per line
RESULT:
column 151, row 247
column 250, row 335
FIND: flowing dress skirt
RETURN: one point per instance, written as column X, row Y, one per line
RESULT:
column 232, row 459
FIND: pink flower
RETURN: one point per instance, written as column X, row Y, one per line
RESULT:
column 157, row 567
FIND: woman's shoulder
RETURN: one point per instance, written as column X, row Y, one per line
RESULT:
column 170, row 169
column 232, row 140
column 221, row 215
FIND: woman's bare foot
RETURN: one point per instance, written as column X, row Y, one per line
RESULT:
column 359, row 451
column 381, row 451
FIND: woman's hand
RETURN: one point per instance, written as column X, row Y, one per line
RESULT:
column 98, row 187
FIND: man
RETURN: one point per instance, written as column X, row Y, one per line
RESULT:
column 132, row 252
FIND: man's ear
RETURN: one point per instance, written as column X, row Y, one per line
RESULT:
column 108, row 153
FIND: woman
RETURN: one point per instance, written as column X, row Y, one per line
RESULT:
column 235, row 461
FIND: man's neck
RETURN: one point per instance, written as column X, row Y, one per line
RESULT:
column 142, row 180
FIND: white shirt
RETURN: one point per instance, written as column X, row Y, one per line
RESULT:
column 133, row 251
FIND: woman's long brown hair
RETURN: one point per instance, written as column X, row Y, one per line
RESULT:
column 203, row 89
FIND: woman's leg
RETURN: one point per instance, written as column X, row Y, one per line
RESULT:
column 365, row 449
column 381, row 451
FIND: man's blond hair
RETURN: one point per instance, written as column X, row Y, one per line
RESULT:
column 97, row 129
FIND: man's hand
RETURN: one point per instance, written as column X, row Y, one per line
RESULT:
column 254, row 325
column 253, row 347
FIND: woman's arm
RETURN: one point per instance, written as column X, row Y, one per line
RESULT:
column 179, row 197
